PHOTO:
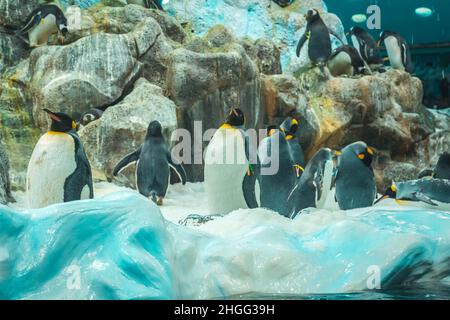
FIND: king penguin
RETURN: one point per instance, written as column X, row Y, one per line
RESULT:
column 366, row 46
column 317, row 36
column 59, row 170
column 428, row 193
column 346, row 60
column 354, row 178
column 153, row 165
column 231, row 167
column 311, row 190
column 397, row 49
column 290, row 128
column 42, row 22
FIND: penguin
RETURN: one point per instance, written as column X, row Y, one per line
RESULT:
column 45, row 20
column 283, row 3
column 59, row 170
column 231, row 167
column 366, row 46
column 354, row 178
column 441, row 171
column 311, row 190
column 397, row 49
column 317, row 35
column 153, row 165
column 346, row 60
column 290, row 128
column 429, row 193
column 278, row 173
column 150, row 4
column 90, row 116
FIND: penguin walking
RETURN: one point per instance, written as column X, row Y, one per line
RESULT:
column 354, row 179
column 290, row 128
column 59, row 170
column 366, row 46
column 311, row 190
column 429, row 193
column 317, row 36
column 231, row 167
column 397, row 49
column 42, row 22
column 278, row 172
column 153, row 165
column 346, row 60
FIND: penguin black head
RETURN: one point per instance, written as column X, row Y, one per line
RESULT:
column 61, row 22
column 61, row 122
column 271, row 130
column 235, row 118
column 361, row 151
column 356, row 31
column 312, row 15
column 154, row 129
column 391, row 193
column 289, row 127
column 366, row 156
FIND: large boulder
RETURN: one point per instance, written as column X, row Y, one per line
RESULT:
column 95, row 71
column 205, row 84
column 122, row 129
column 14, row 12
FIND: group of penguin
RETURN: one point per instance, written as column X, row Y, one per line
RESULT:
column 362, row 58
column 330, row 180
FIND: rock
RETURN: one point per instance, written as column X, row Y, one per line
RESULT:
column 14, row 12
column 206, row 84
column 5, row 184
column 266, row 55
column 122, row 129
column 256, row 19
column 396, row 171
column 12, row 51
column 94, row 71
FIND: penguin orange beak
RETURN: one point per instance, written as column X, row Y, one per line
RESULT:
column 379, row 43
column 381, row 199
column 52, row 115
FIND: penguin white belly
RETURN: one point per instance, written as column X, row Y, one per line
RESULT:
column 225, row 168
column 355, row 43
column 394, row 53
column 52, row 161
column 40, row 33
column 326, row 186
column 341, row 64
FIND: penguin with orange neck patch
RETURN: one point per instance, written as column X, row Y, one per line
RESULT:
column 290, row 128
column 59, row 170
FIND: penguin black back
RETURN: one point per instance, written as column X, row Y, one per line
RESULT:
column 442, row 170
column 365, row 45
column 40, row 13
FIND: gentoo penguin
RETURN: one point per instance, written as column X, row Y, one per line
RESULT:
column 432, row 193
column 317, row 36
column 153, row 165
column 354, row 179
column 59, row 170
column 345, row 60
column 366, row 46
column 90, row 115
column 278, row 173
column 151, row 4
column 290, row 127
column 397, row 49
column 441, row 171
column 45, row 20
column 231, row 167
column 312, row 188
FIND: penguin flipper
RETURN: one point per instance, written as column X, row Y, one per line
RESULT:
column 248, row 189
column 177, row 167
column 32, row 21
column 419, row 196
column 126, row 161
column 301, row 42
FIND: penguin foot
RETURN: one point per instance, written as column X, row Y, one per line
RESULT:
column 159, row 201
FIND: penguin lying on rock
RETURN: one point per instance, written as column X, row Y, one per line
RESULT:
column 345, row 60
column 366, row 46
column 153, row 165
column 41, row 23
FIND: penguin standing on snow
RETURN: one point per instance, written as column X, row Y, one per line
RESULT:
column 366, row 46
column 290, row 128
column 317, row 36
column 355, row 180
column 231, row 167
column 59, row 170
column 311, row 190
column 153, row 165
column 346, row 60
column 397, row 49
column 42, row 22
column 434, row 193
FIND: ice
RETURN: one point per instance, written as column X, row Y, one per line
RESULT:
column 124, row 247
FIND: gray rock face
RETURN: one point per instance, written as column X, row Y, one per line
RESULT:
column 5, row 184
column 14, row 12
column 122, row 129
column 12, row 51
column 92, row 72
column 206, row 85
